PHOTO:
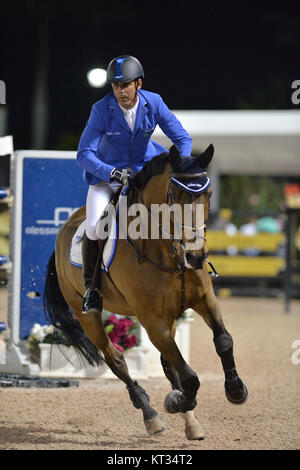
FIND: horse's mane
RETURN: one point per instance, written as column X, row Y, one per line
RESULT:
column 157, row 165
column 154, row 167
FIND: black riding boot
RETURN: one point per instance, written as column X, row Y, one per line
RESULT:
column 92, row 300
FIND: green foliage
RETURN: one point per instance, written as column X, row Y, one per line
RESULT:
column 258, row 194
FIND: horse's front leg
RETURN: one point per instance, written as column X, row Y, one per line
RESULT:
column 208, row 307
column 235, row 390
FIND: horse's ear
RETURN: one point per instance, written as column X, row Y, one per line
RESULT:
column 206, row 157
column 174, row 156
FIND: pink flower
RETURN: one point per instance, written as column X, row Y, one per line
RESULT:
column 119, row 335
column 123, row 326
column 129, row 341
column 112, row 319
column 113, row 337
column 115, row 341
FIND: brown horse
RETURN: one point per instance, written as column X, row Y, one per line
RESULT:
column 154, row 280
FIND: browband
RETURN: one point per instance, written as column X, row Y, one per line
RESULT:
column 188, row 175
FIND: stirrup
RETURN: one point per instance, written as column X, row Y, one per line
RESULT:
column 92, row 301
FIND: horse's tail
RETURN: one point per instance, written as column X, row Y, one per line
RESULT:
column 58, row 313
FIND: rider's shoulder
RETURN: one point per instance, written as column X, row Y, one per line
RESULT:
column 105, row 102
column 150, row 96
column 151, row 100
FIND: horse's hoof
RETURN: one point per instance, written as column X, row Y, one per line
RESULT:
column 194, row 432
column 155, row 425
column 171, row 400
column 237, row 397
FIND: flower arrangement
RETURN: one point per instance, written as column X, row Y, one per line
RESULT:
column 45, row 334
column 120, row 331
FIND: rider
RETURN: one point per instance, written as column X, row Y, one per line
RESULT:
column 117, row 136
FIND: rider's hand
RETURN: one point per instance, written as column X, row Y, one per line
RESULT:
column 116, row 175
column 121, row 176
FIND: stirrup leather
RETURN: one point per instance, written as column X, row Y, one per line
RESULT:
column 92, row 301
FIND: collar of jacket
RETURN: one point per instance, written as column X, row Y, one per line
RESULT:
column 119, row 116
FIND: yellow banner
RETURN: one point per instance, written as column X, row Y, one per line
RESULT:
column 260, row 266
column 219, row 241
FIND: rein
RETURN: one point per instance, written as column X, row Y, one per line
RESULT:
column 141, row 255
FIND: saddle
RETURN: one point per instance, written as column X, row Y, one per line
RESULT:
column 102, row 226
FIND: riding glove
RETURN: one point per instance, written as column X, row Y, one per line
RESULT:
column 116, row 175
column 121, row 176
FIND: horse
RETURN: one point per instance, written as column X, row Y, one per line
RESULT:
column 154, row 280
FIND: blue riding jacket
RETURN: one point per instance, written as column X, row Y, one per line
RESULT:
column 107, row 141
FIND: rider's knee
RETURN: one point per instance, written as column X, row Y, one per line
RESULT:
column 90, row 231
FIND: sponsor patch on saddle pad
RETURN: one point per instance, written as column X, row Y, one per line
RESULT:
column 109, row 248
column 195, row 185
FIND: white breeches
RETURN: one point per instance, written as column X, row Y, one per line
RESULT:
column 97, row 199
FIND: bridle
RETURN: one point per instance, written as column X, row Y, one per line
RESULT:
column 176, row 247
column 169, row 201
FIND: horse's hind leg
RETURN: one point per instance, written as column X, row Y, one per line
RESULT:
column 94, row 329
column 115, row 360
column 208, row 307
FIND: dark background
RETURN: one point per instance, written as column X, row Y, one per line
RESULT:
column 196, row 55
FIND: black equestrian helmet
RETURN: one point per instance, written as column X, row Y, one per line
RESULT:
column 124, row 69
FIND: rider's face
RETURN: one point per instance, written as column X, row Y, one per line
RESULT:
column 125, row 93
